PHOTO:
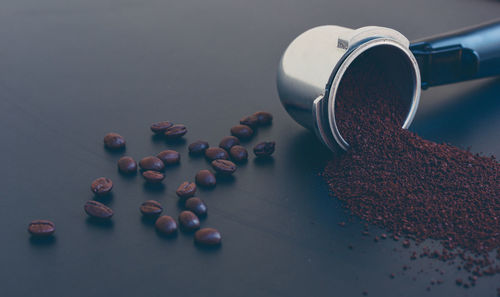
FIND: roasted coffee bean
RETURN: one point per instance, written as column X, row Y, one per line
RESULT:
column 205, row 178
column 127, row 165
column 197, row 206
column 228, row 142
column 161, row 127
column 169, row 157
column 207, row 237
column 224, row 167
column 188, row 221
column 151, row 208
column 264, row 149
column 242, row 131
column 176, row 131
column 101, row 186
column 98, row 210
column 41, row 228
column 264, row 118
column 114, row 141
column 251, row 121
column 198, row 147
column 238, row 153
column 186, row 190
column 214, row 153
column 166, row 225
column 151, row 163
column 153, row 176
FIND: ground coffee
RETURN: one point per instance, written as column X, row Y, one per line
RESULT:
column 410, row 186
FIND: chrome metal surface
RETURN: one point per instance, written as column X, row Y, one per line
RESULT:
column 312, row 67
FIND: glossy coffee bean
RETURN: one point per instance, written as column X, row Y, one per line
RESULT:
column 151, row 208
column 197, row 206
column 151, row 163
column 238, row 153
column 186, row 190
column 127, row 165
column 224, row 167
column 101, row 186
column 264, row 118
column 252, row 121
column 166, row 225
column 205, row 178
column 214, row 153
column 153, row 176
column 176, row 131
column 188, row 221
column 41, row 228
column 169, row 157
column 160, row 127
column 228, row 142
column 242, row 131
column 264, row 149
column 198, row 147
column 114, row 141
column 207, row 237
column 98, row 210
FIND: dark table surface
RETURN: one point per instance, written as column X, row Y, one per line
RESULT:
column 71, row 71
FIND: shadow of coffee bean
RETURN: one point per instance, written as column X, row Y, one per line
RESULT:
column 208, row 249
column 264, row 161
column 225, row 178
column 149, row 220
column 105, row 199
column 42, row 241
column 167, row 237
column 115, row 151
column 102, row 223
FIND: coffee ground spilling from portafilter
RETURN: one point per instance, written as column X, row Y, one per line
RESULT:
column 412, row 187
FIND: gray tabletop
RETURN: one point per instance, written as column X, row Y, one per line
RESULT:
column 71, row 71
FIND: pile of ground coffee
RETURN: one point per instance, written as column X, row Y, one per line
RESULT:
column 410, row 186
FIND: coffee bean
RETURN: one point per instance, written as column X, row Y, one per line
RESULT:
column 214, row 153
column 161, row 127
column 176, row 131
column 166, row 225
column 264, row 118
column 153, row 176
column 197, row 206
column 98, row 210
column 41, row 228
column 186, row 190
column 251, row 121
column 205, row 178
column 188, row 221
column 228, row 142
column 101, row 186
column 151, row 163
column 127, row 165
column 207, row 237
column 224, row 167
column 242, row 131
column 169, row 157
column 114, row 141
column 198, row 147
column 238, row 153
column 151, row 208
column 264, row 149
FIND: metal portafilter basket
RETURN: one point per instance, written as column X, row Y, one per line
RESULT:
column 311, row 69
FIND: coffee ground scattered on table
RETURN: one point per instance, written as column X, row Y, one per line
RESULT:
column 412, row 187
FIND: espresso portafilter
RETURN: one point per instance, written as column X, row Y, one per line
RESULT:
column 311, row 68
